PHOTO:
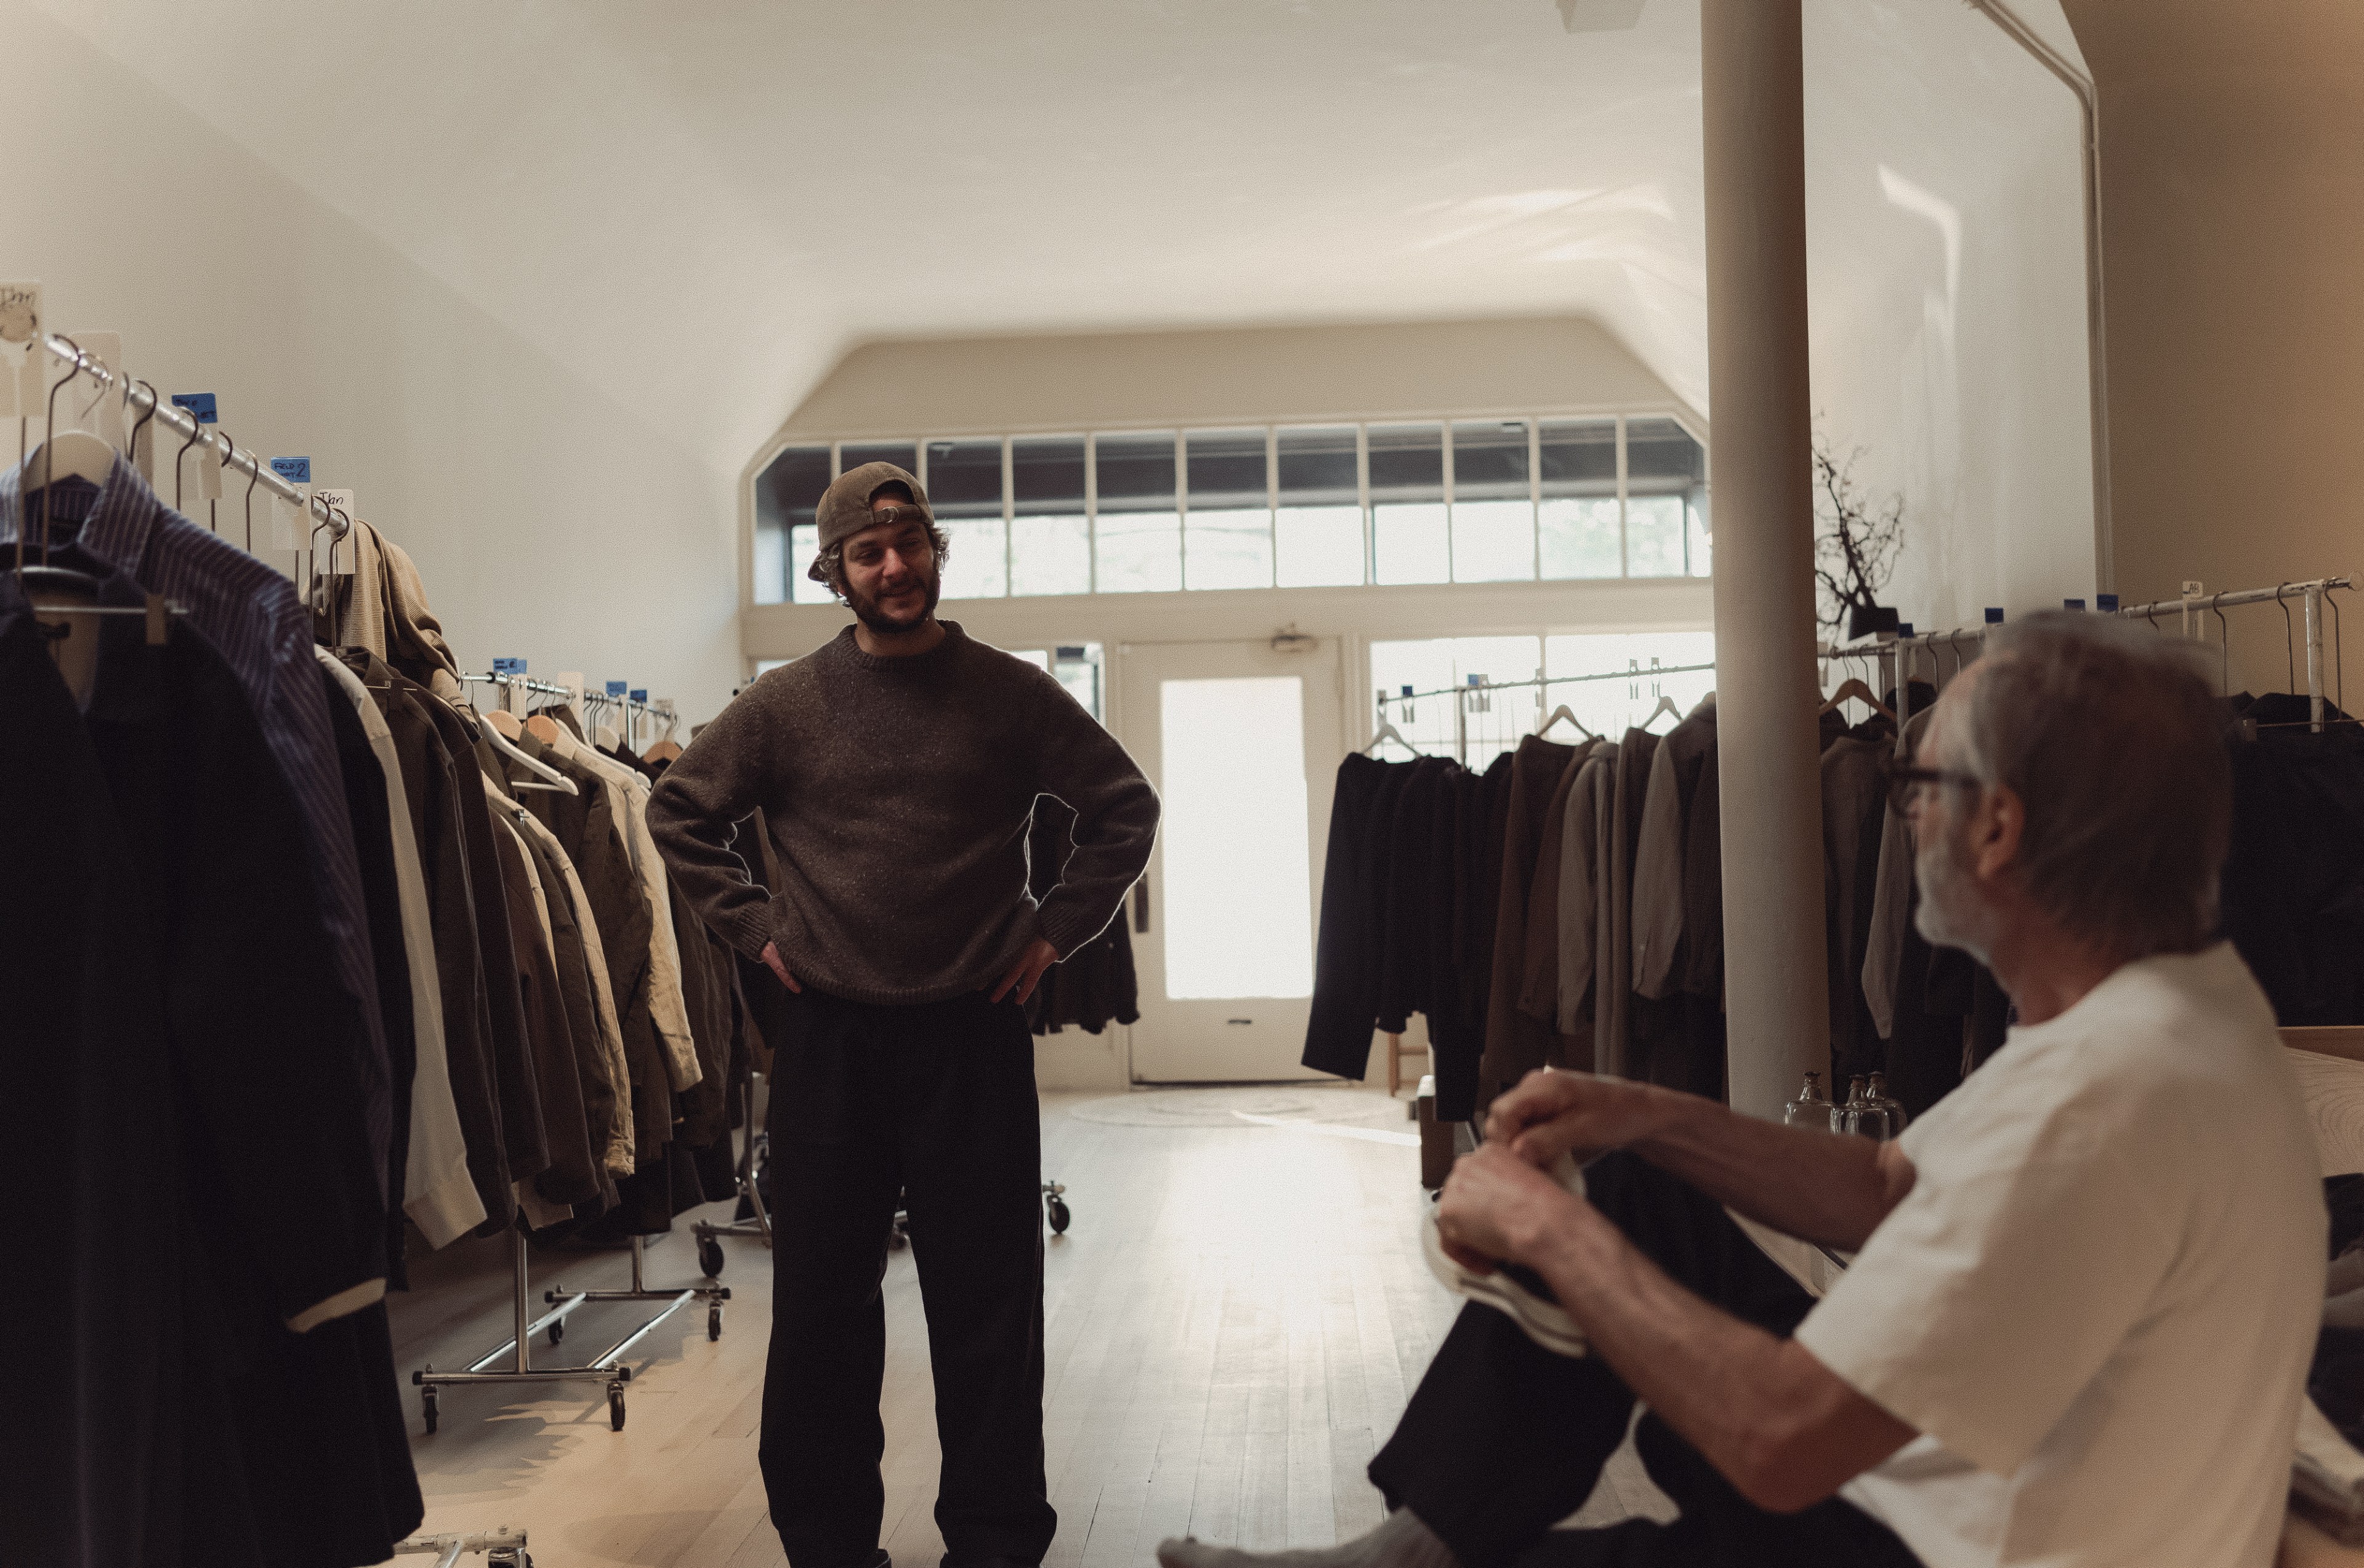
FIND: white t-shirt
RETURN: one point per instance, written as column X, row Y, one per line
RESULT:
column 2098, row 1303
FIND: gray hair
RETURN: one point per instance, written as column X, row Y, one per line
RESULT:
column 2112, row 740
column 829, row 566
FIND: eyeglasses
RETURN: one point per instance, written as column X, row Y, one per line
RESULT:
column 1906, row 782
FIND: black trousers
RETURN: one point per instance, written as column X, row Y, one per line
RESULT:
column 935, row 1102
column 1504, row 1438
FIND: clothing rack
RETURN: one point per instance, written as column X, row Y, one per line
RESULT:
column 2314, row 595
column 603, row 1369
column 1482, row 693
column 661, row 710
column 562, row 1302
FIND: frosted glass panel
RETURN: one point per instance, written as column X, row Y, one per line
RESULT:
column 1238, row 904
column 1140, row 552
column 1319, row 547
column 1493, row 541
column 978, row 567
column 1654, row 536
column 1409, row 543
column 1230, row 549
column 1579, row 538
column 1051, row 555
column 804, row 543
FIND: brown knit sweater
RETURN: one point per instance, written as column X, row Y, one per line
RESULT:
column 897, row 793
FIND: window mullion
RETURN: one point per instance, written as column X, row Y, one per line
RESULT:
column 1624, row 555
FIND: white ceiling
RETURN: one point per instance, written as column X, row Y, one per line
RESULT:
column 698, row 207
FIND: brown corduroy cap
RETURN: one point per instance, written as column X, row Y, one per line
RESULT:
column 844, row 508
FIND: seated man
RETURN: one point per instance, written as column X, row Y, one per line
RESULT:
column 2077, row 1326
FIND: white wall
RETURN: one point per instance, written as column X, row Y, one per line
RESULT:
column 548, row 521
column 1248, row 375
column 1947, row 278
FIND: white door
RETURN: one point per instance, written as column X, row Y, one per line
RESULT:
column 1243, row 745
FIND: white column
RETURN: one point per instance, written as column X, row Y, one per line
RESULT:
column 1777, row 992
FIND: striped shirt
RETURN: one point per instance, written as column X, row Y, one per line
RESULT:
column 250, row 612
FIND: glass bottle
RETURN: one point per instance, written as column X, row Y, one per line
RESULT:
column 1811, row 1108
column 1843, row 1117
column 1883, row 1115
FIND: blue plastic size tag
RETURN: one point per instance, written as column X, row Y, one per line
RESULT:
column 2072, row 604
column 1994, row 615
column 198, row 406
column 293, row 470
column 616, row 688
column 640, row 693
column 508, row 666
column 2106, row 603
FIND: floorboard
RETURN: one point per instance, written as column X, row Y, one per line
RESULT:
column 1232, row 1327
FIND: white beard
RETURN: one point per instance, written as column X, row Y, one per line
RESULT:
column 1950, row 915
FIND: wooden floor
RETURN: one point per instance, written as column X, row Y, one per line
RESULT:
column 1236, row 1318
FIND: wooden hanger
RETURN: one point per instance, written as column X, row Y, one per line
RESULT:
column 543, row 728
column 1853, row 689
column 664, row 751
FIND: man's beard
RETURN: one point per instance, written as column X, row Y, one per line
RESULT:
column 1950, row 914
column 867, row 610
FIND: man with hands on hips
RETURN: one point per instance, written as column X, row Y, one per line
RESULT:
column 2085, row 1286
column 897, row 769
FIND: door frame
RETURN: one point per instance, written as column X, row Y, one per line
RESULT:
column 1345, row 650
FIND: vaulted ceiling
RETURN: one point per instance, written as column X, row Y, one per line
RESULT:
column 698, row 207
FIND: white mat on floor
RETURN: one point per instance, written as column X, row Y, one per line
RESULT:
column 1257, row 1106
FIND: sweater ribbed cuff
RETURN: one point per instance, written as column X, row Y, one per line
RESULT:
column 1067, row 927
column 751, row 928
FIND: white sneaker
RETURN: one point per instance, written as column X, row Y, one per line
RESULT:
column 1539, row 1318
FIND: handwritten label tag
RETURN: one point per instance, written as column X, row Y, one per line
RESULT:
column 639, row 693
column 508, row 666
column 573, row 681
column 338, row 560
column 197, row 405
column 293, row 470
column 616, row 688
column 208, row 458
column 20, row 335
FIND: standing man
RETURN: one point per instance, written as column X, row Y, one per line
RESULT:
column 896, row 769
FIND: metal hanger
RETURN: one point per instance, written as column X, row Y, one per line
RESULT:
column 253, row 478
column 132, row 446
column 2223, row 646
column 2290, row 635
column 196, row 434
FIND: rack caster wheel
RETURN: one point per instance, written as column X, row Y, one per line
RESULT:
column 713, row 1323
column 615, row 1409
column 426, row 1408
column 558, row 1331
column 710, row 1257
column 1055, row 1211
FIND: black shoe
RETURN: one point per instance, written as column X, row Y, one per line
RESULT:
column 949, row 1561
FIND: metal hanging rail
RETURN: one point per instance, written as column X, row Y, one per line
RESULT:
column 140, row 396
column 2312, row 595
